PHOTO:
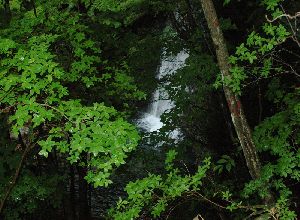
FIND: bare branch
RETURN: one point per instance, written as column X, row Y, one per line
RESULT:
column 12, row 183
column 284, row 15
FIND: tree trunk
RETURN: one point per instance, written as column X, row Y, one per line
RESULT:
column 237, row 114
column 72, row 193
column 84, row 209
column 6, row 6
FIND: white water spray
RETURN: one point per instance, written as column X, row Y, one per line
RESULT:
column 151, row 120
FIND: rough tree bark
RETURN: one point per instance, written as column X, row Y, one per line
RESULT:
column 237, row 114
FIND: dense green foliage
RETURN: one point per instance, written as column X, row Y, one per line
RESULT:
column 75, row 74
column 35, row 86
column 160, row 189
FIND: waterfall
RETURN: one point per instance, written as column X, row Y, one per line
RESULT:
column 151, row 119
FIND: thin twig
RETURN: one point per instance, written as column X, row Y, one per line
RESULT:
column 294, row 36
column 16, row 176
column 57, row 110
column 284, row 15
column 286, row 64
column 34, row 8
column 208, row 200
column 260, row 105
column 172, row 209
column 187, row 169
column 288, row 20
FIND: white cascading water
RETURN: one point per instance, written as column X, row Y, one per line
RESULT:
column 151, row 120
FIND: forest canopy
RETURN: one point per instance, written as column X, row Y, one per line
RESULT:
column 149, row 109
